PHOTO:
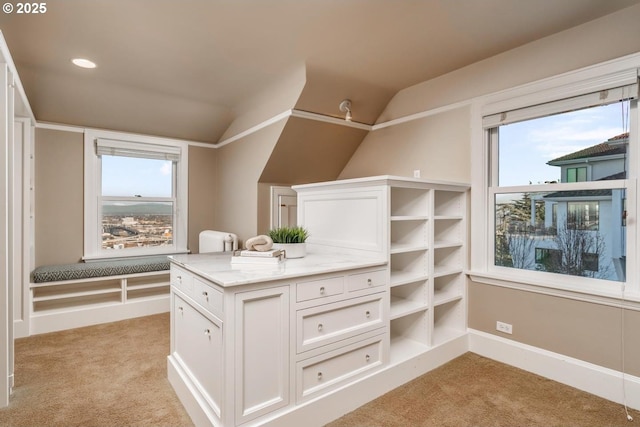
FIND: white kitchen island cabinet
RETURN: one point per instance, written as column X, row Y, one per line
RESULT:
column 379, row 300
column 252, row 344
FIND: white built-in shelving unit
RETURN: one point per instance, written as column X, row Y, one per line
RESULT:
column 427, row 235
column 420, row 227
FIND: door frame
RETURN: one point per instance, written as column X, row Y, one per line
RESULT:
column 6, row 291
column 276, row 192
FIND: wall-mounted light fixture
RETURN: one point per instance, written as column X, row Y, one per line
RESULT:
column 345, row 107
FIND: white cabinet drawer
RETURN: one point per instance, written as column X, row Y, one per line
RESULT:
column 181, row 279
column 208, row 296
column 319, row 288
column 329, row 323
column 370, row 279
column 327, row 371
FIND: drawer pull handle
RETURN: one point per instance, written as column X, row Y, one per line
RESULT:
column 369, row 282
column 367, row 357
column 205, row 294
column 319, row 327
column 368, row 314
column 207, row 332
column 319, row 376
column 322, row 290
column 181, row 310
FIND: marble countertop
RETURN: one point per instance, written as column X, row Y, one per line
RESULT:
column 217, row 267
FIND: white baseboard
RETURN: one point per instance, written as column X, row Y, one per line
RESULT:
column 604, row 382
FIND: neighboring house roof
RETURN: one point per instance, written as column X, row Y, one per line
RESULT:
column 619, row 175
column 610, row 147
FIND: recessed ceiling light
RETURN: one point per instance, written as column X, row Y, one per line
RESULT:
column 83, row 63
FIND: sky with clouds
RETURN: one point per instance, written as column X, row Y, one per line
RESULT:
column 526, row 147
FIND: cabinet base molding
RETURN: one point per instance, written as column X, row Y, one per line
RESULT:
column 332, row 405
column 189, row 396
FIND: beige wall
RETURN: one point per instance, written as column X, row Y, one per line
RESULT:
column 58, row 197
column 240, row 165
column 203, row 192
column 440, row 146
column 586, row 331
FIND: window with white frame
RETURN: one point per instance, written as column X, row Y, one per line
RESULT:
column 558, row 180
column 135, row 196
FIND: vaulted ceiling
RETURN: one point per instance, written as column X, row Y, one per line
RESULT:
column 189, row 68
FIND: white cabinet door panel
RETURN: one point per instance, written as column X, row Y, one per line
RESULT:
column 261, row 352
column 198, row 345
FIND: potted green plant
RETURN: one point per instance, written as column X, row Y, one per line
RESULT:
column 291, row 239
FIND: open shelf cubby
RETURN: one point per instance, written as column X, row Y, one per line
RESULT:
column 408, row 299
column 408, row 235
column 409, row 266
column 448, row 204
column 448, row 287
column 409, row 201
column 414, row 327
column 448, row 232
column 64, row 304
column 448, row 321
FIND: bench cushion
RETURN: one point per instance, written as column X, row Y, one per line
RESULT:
column 84, row 270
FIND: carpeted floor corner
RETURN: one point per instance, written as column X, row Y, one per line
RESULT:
column 107, row 375
column 472, row 390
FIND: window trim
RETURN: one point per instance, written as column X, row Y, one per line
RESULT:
column 92, row 191
column 611, row 74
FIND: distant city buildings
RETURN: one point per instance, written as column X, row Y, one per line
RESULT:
column 122, row 232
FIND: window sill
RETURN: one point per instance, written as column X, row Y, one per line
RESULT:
column 628, row 300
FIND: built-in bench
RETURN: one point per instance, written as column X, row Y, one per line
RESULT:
column 81, row 294
column 86, row 270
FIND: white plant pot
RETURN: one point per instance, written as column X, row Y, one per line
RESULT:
column 292, row 250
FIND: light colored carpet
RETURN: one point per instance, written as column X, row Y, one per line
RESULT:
column 115, row 375
column 107, row 375
column 475, row 391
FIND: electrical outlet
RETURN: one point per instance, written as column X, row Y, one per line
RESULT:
column 504, row 327
column 416, row 173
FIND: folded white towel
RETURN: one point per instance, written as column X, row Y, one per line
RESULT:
column 259, row 243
